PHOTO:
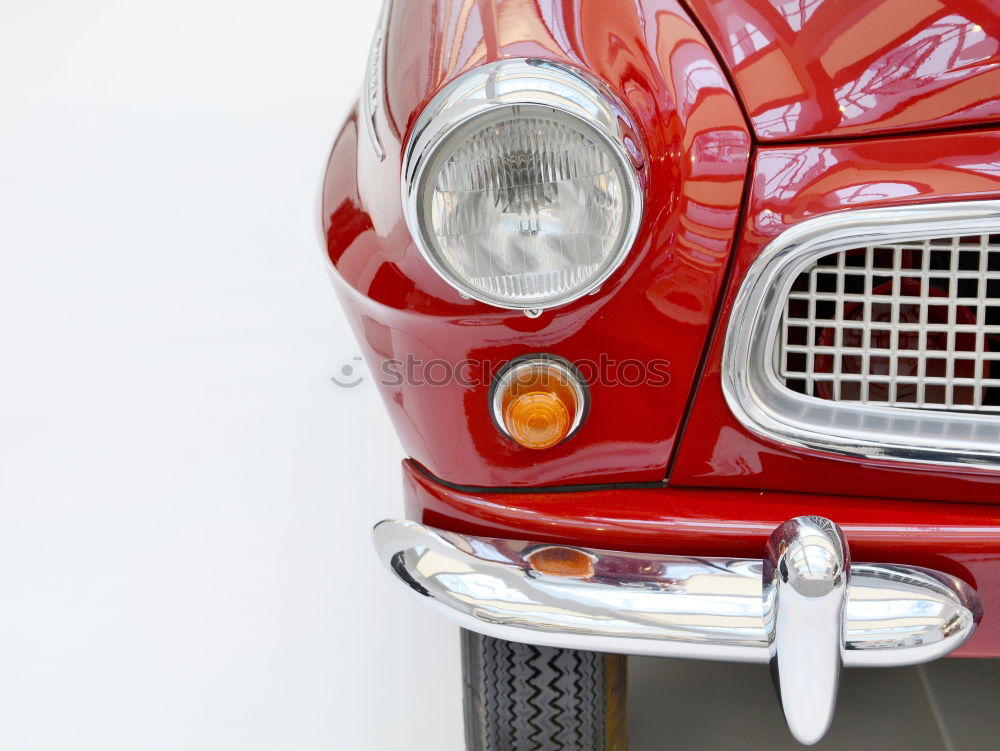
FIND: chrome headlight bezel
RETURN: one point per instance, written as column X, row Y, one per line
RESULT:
column 532, row 84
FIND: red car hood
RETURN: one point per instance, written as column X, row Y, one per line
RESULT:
column 821, row 68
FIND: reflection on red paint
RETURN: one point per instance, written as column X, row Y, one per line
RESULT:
column 818, row 70
column 791, row 184
column 658, row 306
column 813, row 68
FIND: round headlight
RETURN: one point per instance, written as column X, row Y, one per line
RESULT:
column 517, row 186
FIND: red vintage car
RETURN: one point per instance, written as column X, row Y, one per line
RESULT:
column 688, row 317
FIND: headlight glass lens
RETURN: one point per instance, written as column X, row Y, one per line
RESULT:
column 525, row 206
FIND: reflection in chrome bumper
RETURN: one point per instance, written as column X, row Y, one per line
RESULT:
column 708, row 608
column 668, row 606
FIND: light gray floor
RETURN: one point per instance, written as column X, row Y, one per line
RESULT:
column 687, row 705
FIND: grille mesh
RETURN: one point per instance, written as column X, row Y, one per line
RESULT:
column 912, row 324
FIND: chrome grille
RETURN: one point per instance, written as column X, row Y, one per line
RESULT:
column 911, row 324
column 874, row 333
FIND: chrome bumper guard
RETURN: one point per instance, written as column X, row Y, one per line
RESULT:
column 803, row 607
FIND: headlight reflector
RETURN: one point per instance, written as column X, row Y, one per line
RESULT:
column 518, row 188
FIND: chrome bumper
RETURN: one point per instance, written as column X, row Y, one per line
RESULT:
column 803, row 607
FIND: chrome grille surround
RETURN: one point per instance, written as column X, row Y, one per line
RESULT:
column 772, row 388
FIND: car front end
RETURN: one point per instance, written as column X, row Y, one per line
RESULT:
column 688, row 319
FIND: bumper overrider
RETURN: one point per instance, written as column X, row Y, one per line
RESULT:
column 803, row 607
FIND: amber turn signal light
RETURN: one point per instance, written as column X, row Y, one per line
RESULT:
column 556, row 560
column 538, row 402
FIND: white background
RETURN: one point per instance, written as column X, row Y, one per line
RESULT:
column 185, row 497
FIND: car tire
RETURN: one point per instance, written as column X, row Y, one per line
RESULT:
column 521, row 697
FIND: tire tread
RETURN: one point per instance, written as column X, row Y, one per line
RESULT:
column 522, row 697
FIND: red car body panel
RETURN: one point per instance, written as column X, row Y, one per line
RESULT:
column 815, row 69
column 658, row 307
column 715, row 195
column 793, row 183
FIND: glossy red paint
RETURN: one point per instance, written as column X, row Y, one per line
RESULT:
column 820, row 68
column 791, row 184
column 816, row 70
column 960, row 539
column 657, row 307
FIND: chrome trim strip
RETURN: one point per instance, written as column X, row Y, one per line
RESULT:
column 506, row 84
column 662, row 605
column 764, row 405
column 374, row 82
